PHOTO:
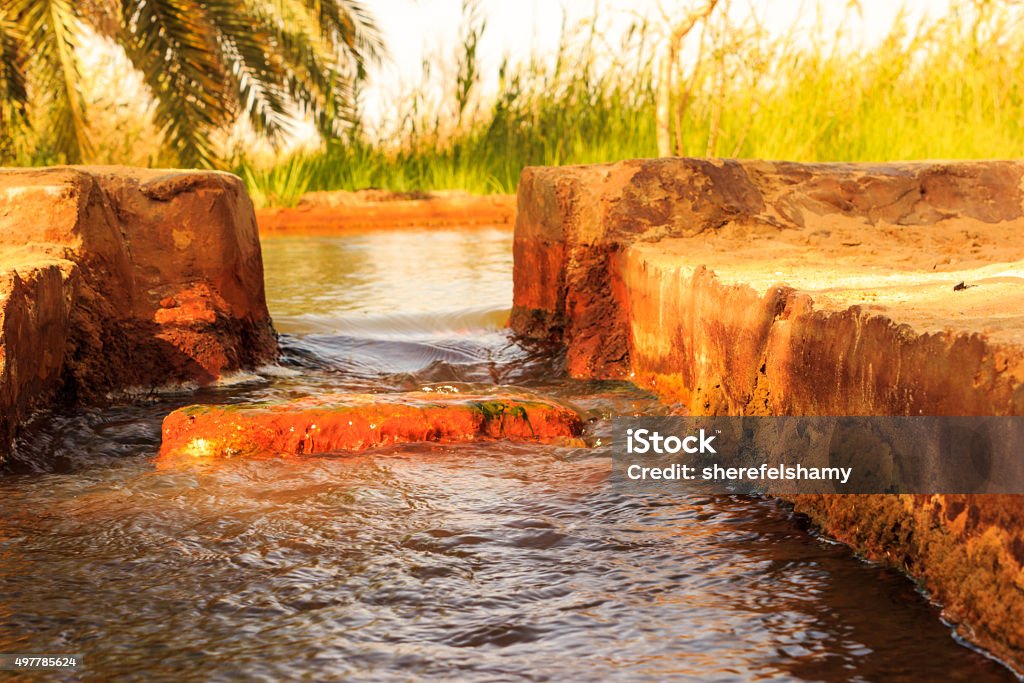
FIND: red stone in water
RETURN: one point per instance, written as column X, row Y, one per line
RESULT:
column 353, row 422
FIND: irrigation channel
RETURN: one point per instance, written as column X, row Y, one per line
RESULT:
column 487, row 561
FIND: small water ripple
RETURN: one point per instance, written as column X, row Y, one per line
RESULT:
column 470, row 562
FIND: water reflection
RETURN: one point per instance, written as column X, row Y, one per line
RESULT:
column 389, row 284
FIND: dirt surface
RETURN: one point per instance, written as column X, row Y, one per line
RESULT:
column 844, row 261
column 328, row 213
column 750, row 287
column 980, row 297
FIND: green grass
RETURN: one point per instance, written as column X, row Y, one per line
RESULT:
column 946, row 89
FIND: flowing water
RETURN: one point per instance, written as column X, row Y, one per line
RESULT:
column 489, row 562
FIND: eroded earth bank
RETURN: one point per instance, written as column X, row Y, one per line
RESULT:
column 117, row 279
column 806, row 289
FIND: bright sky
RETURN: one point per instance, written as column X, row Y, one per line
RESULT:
column 418, row 29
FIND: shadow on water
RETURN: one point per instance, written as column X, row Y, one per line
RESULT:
column 487, row 561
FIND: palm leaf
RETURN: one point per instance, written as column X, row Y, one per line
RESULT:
column 349, row 27
column 13, row 64
column 13, row 90
column 256, row 73
column 176, row 51
column 320, row 42
column 51, row 30
column 206, row 63
column 313, row 82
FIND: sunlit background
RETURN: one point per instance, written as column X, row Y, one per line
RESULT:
column 426, row 30
column 465, row 93
column 424, row 42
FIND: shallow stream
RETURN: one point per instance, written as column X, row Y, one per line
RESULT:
column 489, row 562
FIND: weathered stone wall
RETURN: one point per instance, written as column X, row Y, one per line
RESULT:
column 802, row 289
column 114, row 278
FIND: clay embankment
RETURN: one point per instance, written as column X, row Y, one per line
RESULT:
column 800, row 289
column 328, row 213
column 114, row 278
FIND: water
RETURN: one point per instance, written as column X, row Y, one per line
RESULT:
column 473, row 562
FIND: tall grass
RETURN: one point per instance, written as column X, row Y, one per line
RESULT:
column 949, row 88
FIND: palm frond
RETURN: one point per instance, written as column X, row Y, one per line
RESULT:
column 176, row 52
column 256, row 73
column 51, row 29
column 350, row 28
column 13, row 90
column 207, row 63
column 13, row 77
column 321, row 70
column 313, row 82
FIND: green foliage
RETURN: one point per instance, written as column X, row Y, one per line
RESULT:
column 282, row 184
column 13, row 87
column 944, row 89
column 206, row 63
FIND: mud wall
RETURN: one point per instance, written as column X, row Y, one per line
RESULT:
column 806, row 289
column 115, row 279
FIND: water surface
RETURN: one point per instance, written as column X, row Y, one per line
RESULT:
column 489, row 562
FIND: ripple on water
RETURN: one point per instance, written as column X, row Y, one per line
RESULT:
column 469, row 562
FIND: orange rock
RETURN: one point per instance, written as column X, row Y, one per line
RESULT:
column 116, row 278
column 352, row 422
